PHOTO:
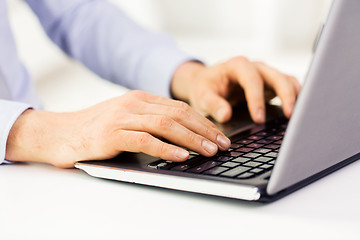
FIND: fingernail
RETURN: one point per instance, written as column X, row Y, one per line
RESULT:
column 224, row 142
column 260, row 115
column 209, row 147
column 181, row 154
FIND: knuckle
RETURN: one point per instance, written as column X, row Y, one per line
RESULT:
column 260, row 63
column 182, row 105
column 143, row 139
column 292, row 78
column 239, row 60
column 212, row 125
column 137, row 94
column 130, row 104
column 192, row 139
column 253, row 85
column 165, row 122
column 181, row 114
column 163, row 149
column 209, row 131
column 257, row 80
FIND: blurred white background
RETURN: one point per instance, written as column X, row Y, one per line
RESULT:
column 280, row 32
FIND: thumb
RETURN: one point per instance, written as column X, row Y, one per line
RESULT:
column 215, row 105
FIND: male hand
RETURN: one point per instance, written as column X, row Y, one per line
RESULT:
column 134, row 122
column 212, row 90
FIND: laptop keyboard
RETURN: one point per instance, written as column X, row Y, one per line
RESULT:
column 248, row 156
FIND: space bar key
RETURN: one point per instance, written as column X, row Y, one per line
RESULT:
column 235, row 171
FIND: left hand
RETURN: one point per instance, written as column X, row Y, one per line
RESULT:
column 213, row 90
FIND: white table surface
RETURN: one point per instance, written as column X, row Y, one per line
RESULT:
column 42, row 202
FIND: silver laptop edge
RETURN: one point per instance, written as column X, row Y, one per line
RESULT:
column 216, row 188
column 328, row 104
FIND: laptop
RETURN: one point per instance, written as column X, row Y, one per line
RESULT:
column 269, row 161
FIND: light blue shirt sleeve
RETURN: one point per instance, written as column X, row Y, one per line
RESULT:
column 98, row 34
column 10, row 111
column 109, row 43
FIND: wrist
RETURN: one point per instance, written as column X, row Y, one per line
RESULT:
column 42, row 136
column 183, row 79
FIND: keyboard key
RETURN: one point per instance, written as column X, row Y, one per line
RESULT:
column 257, row 170
column 188, row 164
column 274, row 138
column 165, row 165
column 271, row 154
column 222, row 158
column 230, row 164
column 252, row 155
column 191, row 156
column 263, row 159
column 281, row 133
column 240, row 159
column 264, row 141
column 216, row 170
column 252, row 164
column 236, row 145
column 234, row 154
column 161, row 164
column 266, row 166
column 246, row 175
column 193, row 153
column 203, row 167
column 273, row 146
column 272, row 162
column 181, row 167
column 272, row 130
column 235, row 171
column 244, row 141
column 254, row 137
column 278, row 142
column 262, row 133
column 255, row 145
column 244, row 149
column 262, row 150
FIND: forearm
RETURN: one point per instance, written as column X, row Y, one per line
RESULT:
column 109, row 43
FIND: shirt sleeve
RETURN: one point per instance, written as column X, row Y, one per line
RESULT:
column 10, row 111
column 109, row 43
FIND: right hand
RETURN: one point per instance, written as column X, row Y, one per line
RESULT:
column 133, row 122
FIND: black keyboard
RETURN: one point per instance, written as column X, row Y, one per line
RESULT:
column 248, row 156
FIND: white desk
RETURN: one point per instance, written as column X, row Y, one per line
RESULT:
column 42, row 202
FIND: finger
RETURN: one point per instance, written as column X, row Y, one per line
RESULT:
column 155, row 99
column 213, row 104
column 247, row 75
column 283, row 87
column 182, row 107
column 133, row 141
column 296, row 83
column 166, row 127
column 158, row 100
column 190, row 119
